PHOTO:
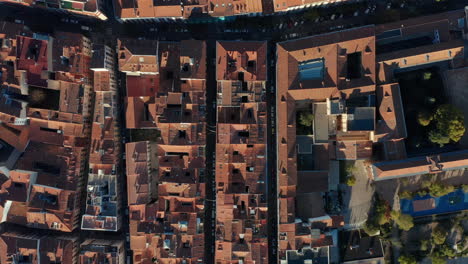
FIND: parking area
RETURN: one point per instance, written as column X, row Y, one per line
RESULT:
column 358, row 198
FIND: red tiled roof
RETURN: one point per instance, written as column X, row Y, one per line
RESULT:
column 246, row 58
column 420, row 165
column 144, row 85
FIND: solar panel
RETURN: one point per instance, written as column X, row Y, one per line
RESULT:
column 311, row 70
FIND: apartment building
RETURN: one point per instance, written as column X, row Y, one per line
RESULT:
column 165, row 84
column 104, row 187
column 128, row 10
column 95, row 251
column 344, row 81
column 241, row 205
column 93, row 8
column 44, row 105
column 32, row 248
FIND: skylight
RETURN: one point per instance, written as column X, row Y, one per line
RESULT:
column 311, row 70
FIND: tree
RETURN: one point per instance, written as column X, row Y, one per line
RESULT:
column 37, row 96
column 439, row 235
column 406, row 195
column 350, row 180
column 427, row 76
column 438, row 137
column 449, row 125
column 421, row 193
column 436, row 259
column 407, row 260
column 371, row 228
column 381, row 219
column 350, row 169
column 404, row 221
column 404, row 181
column 446, row 251
column 426, row 183
column 424, row 245
column 438, row 189
column 306, row 119
column 382, row 213
column 465, row 187
column 424, row 118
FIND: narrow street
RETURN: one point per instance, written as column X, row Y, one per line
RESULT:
column 210, row 150
column 272, row 192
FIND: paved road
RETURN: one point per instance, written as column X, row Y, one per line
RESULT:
column 272, row 191
column 358, row 198
column 210, row 190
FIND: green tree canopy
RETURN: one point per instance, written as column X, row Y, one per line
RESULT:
column 36, row 96
column 404, row 221
column 424, row 246
column 436, row 259
column 381, row 218
column 382, row 215
column 427, row 76
column 439, row 235
column 406, row 195
column 350, row 169
column 449, row 125
column 351, row 180
column 424, row 118
column 306, row 119
column 371, row 228
column 447, row 251
column 439, row 189
column 407, row 260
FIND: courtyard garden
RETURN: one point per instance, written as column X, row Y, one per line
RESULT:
column 304, row 121
column 431, row 122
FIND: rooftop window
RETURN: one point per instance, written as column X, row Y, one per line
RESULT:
column 354, row 61
column 169, row 75
column 182, row 134
column 311, row 70
column 47, row 168
column 51, row 199
column 243, row 133
column 240, row 76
